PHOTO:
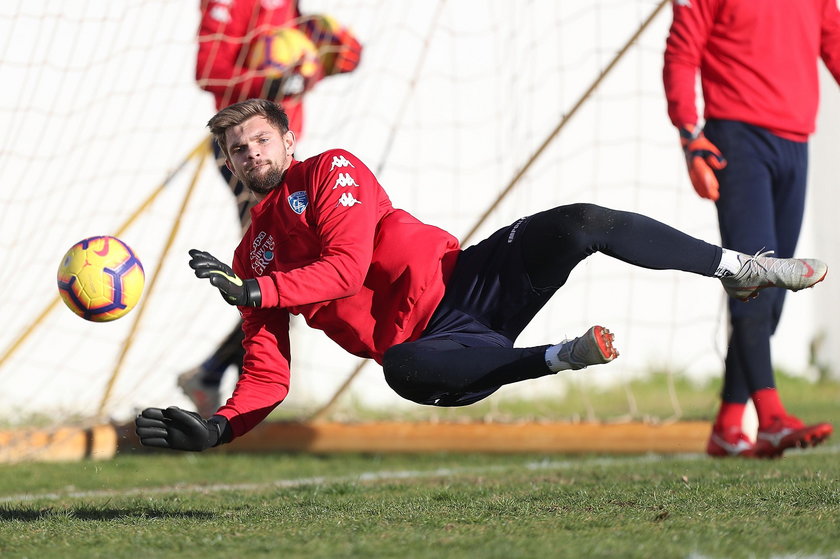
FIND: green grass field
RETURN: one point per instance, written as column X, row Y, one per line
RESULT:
column 423, row 506
column 431, row 506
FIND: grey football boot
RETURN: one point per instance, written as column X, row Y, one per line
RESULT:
column 762, row 270
column 595, row 347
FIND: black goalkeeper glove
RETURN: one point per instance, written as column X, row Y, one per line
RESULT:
column 235, row 290
column 180, row 429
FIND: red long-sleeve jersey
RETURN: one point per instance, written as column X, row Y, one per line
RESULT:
column 757, row 61
column 226, row 34
column 328, row 245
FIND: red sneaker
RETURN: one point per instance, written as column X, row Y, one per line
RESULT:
column 788, row 432
column 207, row 399
column 730, row 441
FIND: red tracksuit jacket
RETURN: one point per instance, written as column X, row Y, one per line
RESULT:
column 757, row 61
column 227, row 31
column 328, row 245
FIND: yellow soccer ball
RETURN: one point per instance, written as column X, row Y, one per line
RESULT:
column 286, row 51
column 100, row 279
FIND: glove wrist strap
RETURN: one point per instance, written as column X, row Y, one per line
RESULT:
column 253, row 293
column 690, row 133
column 219, row 431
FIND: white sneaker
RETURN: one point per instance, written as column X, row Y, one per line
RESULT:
column 762, row 270
column 207, row 399
column 595, row 347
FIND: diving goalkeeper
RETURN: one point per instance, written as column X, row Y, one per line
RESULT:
column 326, row 243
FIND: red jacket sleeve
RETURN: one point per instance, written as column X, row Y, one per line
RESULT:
column 264, row 381
column 684, row 50
column 344, row 212
column 830, row 38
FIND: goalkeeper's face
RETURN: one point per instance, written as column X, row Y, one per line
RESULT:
column 259, row 154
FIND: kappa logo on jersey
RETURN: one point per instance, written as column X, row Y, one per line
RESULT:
column 298, row 201
column 340, row 161
column 347, row 200
column 344, row 180
column 262, row 252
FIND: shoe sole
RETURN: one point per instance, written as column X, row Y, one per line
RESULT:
column 811, row 437
column 604, row 339
column 723, row 453
column 715, row 449
column 754, row 293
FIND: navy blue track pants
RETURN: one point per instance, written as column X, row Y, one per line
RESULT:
column 499, row 284
column 762, row 201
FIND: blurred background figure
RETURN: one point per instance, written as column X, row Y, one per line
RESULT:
column 758, row 70
column 259, row 49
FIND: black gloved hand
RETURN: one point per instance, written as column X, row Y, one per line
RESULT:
column 235, row 290
column 180, row 429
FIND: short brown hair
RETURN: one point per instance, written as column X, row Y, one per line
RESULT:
column 236, row 114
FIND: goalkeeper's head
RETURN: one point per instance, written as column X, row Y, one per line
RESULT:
column 236, row 114
column 258, row 145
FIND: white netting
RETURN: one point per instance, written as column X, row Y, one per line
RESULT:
column 99, row 109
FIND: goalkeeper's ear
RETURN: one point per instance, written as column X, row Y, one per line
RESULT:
column 290, row 140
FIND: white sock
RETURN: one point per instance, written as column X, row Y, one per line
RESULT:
column 552, row 358
column 729, row 264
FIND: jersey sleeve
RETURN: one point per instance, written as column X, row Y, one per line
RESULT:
column 690, row 30
column 264, row 382
column 223, row 39
column 830, row 38
column 344, row 199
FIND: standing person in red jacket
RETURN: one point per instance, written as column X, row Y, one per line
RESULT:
column 326, row 243
column 231, row 32
column 758, row 70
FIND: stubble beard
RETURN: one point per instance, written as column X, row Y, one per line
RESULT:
column 263, row 183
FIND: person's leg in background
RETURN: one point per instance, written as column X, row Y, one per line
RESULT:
column 762, row 198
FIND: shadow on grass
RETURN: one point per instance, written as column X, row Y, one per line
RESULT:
column 98, row 513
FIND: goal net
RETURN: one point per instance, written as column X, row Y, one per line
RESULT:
column 471, row 114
